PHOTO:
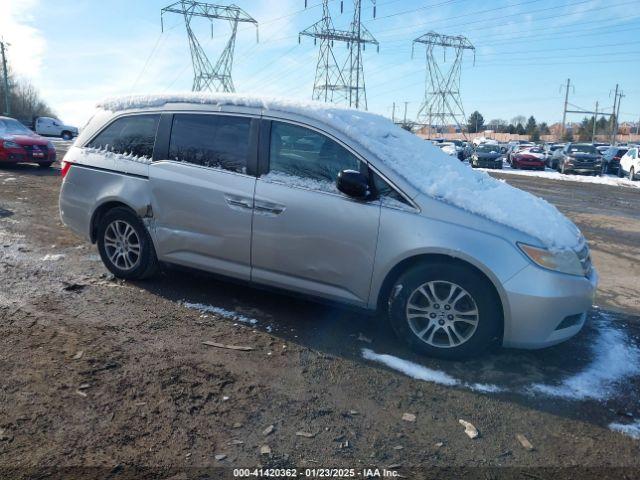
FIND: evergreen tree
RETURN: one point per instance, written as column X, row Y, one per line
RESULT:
column 475, row 122
column 531, row 125
column 520, row 129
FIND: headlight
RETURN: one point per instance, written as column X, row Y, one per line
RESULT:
column 10, row 144
column 564, row 261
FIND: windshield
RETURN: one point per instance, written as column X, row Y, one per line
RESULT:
column 488, row 148
column 583, row 149
column 535, row 150
column 13, row 127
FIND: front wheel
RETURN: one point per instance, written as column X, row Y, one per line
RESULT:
column 66, row 136
column 445, row 310
column 125, row 246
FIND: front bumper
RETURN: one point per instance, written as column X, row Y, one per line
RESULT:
column 544, row 308
column 486, row 163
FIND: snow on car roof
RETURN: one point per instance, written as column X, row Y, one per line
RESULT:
column 421, row 164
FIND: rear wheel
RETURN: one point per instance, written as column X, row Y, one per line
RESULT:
column 125, row 246
column 445, row 310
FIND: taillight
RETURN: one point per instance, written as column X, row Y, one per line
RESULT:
column 65, row 168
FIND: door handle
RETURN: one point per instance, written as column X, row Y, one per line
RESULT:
column 241, row 202
column 270, row 208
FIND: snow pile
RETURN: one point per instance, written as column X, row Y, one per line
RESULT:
column 420, row 372
column 419, row 162
column 221, row 312
column 53, row 257
column 615, row 358
column 630, row 429
column 553, row 175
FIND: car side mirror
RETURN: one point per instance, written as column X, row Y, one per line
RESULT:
column 353, row 183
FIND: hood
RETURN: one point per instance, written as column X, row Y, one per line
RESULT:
column 419, row 164
column 531, row 156
column 24, row 139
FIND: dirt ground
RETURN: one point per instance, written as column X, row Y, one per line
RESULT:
column 107, row 379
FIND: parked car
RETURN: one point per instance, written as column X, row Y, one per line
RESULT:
column 486, row 155
column 18, row 144
column 549, row 150
column 602, row 148
column 630, row 164
column 366, row 219
column 515, row 148
column 449, row 148
column 578, row 158
column 459, row 145
column 52, row 127
column 532, row 158
column 611, row 159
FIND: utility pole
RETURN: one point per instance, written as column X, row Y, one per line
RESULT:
column 612, row 120
column 7, row 104
column 621, row 95
column 393, row 113
column 564, row 111
column 595, row 120
column 405, row 113
column 205, row 75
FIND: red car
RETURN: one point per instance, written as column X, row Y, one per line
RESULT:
column 532, row 158
column 18, row 144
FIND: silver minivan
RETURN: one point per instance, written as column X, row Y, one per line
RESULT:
column 333, row 203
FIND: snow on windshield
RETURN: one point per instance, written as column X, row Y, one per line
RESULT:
column 420, row 163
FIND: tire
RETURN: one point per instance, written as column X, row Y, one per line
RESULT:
column 66, row 135
column 111, row 232
column 470, row 284
column 632, row 174
column 44, row 165
column 620, row 171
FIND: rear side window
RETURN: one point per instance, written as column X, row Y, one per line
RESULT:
column 216, row 141
column 133, row 135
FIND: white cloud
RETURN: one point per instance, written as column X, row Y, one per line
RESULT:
column 27, row 44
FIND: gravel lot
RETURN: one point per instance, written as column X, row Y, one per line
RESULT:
column 114, row 375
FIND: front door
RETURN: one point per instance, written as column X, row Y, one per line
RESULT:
column 202, row 194
column 307, row 236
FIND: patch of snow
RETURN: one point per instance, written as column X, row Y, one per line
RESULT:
column 630, row 429
column 53, row 257
column 553, row 175
column 615, row 358
column 10, row 179
column 420, row 372
column 221, row 312
column 107, row 154
column 420, row 163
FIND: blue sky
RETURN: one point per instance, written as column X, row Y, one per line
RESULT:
column 78, row 52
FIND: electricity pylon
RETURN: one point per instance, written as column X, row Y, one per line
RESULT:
column 442, row 104
column 335, row 83
column 205, row 75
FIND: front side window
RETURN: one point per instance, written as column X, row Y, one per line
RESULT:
column 215, row 141
column 134, row 135
column 302, row 157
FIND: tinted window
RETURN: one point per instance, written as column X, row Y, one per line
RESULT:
column 300, row 152
column 216, row 141
column 134, row 135
column 583, row 149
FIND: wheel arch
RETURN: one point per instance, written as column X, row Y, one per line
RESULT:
column 426, row 258
column 100, row 212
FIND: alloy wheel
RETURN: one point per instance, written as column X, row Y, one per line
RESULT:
column 122, row 245
column 442, row 314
